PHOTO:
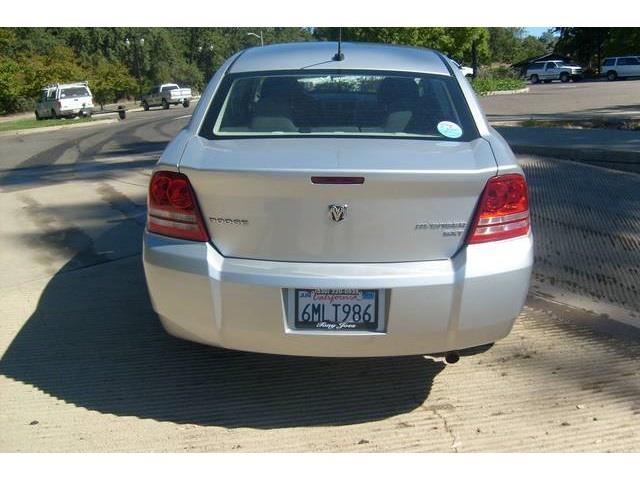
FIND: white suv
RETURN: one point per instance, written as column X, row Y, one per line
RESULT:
column 65, row 100
column 553, row 70
column 621, row 67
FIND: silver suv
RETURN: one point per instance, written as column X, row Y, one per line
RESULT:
column 343, row 205
column 621, row 67
column 553, row 70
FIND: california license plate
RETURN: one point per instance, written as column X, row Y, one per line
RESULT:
column 336, row 309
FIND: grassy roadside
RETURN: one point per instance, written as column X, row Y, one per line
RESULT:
column 484, row 85
column 33, row 123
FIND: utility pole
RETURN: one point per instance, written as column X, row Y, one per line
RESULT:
column 474, row 56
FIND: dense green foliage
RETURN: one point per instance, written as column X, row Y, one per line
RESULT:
column 123, row 62
column 590, row 45
column 120, row 61
column 511, row 45
column 455, row 42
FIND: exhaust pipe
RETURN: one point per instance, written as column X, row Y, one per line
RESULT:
column 448, row 358
column 451, row 357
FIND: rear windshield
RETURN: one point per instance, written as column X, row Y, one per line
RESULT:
column 340, row 104
column 73, row 92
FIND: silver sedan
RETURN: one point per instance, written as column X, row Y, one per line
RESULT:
column 338, row 205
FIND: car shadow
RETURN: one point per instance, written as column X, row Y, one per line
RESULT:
column 95, row 342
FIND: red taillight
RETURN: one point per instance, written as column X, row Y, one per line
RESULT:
column 503, row 211
column 173, row 210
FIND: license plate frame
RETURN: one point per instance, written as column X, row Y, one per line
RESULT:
column 324, row 319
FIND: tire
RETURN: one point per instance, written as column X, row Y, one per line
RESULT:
column 145, row 106
column 535, row 79
column 165, row 104
column 186, row 103
column 564, row 77
column 612, row 75
column 38, row 117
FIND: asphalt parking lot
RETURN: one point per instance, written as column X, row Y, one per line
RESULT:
column 85, row 365
column 574, row 100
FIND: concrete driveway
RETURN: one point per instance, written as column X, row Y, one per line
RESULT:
column 85, row 365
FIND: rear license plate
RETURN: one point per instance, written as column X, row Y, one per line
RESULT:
column 336, row 309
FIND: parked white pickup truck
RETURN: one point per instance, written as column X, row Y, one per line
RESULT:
column 65, row 100
column 166, row 95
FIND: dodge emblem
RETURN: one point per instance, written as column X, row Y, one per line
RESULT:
column 337, row 213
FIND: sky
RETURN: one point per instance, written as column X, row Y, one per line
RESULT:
column 536, row 31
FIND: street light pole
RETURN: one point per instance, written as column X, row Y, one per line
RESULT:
column 136, row 58
column 208, row 54
column 258, row 36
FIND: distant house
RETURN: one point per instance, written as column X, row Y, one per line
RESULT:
column 524, row 64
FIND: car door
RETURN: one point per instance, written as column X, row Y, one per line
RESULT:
column 544, row 72
column 41, row 106
column 622, row 67
column 550, row 71
column 608, row 64
column 534, row 69
column 153, row 96
column 149, row 97
column 49, row 103
column 164, row 93
column 629, row 67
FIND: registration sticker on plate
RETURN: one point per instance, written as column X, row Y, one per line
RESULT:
column 336, row 309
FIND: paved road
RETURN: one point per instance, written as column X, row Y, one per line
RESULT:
column 85, row 365
column 141, row 133
column 581, row 100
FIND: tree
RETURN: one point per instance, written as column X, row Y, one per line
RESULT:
column 110, row 81
column 10, row 85
column 584, row 45
column 531, row 47
column 549, row 39
column 505, row 43
column 455, row 42
column 58, row 67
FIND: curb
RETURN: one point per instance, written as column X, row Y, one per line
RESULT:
column 53, row 128
column 600, row 310
column 617, row 160
column 506, row 92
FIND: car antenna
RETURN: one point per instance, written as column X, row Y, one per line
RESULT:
column 338, row 57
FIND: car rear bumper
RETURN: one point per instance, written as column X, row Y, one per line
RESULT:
column 76, row 111
column 435, row 306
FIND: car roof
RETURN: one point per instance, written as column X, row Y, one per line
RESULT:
column 357, row 56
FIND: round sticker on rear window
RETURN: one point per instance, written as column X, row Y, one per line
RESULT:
column 450, row 129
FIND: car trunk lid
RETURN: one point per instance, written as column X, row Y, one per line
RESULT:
column 415, row 203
